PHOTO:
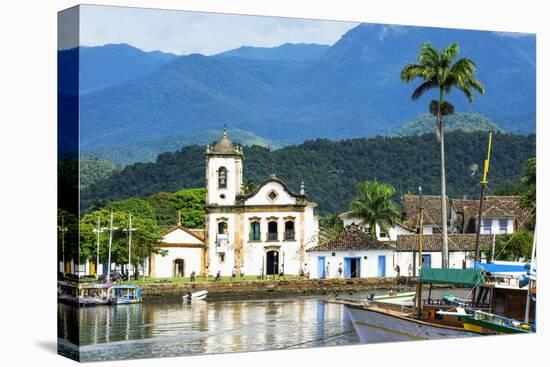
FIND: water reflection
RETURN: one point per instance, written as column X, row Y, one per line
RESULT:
column 162, row 330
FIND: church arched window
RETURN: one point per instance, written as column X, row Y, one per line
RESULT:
column 289, row 229
column 222, row 178
column 255, row 231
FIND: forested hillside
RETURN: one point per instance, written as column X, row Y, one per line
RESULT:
column 331, row 170
column 463, row 121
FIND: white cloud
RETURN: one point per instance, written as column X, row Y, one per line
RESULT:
column 184, row 32
column 513, row 34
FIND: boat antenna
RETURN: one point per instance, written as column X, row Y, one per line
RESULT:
column 481, row 196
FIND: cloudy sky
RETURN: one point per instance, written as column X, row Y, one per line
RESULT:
column 182, row 32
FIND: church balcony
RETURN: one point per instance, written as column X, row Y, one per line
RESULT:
column 221, row 243
column 289, row 235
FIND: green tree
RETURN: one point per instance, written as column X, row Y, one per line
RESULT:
column 138, row 207
column 529, row 199
column 143, row 238
column 437, row 70
column 374, row 205
column 511, row 247
column 189, row 203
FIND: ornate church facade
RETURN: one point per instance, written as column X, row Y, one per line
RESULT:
column 266, row 231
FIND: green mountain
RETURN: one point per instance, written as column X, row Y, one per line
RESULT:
column 354, row 89
column 93, row 169
column 332, row 169
column 147, row 151
column 464, row 121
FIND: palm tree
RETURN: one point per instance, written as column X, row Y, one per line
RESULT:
column 373, row 205
column 438, row 71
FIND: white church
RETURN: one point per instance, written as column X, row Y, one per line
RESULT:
column 266, row 231
column 261, row 232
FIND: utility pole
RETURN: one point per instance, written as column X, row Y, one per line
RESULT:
column 98, row 231
column 129, row 230
column 481, row 195
column 110, row 229
column 418, row 284
column 63, row 229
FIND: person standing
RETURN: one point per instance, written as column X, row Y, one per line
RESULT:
column 340, row 270
column 242, row 272
column 306, row 271
column 327, row 270
column 234, row 273
column 192, row 277
column 282, row 272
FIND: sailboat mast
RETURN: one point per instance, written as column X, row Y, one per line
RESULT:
column 418, row 284
column 481, row 196
column 528, row 301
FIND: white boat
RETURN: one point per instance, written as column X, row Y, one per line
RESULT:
column 195, row 296
column 378, row 325
column 404, row 298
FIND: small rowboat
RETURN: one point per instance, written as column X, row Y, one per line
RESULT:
column 196, row 296
column 399, row 298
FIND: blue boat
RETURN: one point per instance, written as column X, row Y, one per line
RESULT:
column 124, row 294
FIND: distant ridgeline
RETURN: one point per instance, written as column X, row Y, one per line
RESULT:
column 463, row 121
column 293, row 92
column 331, row 170
column 147, row 151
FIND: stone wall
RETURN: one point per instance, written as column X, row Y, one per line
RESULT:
column 267, row 288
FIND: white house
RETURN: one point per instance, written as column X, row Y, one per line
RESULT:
column 259, row 232
column 359, row 254
column 500, row 215
column 461, row 251
column 348, row 220
column 185, row 251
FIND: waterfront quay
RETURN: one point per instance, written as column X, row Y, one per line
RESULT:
column 244, row 289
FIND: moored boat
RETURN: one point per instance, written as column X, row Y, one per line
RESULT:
column 377, row 322
column 195, row 296
column 83, row 294
column 124, row 294
column 490, row 324
column 404, row 298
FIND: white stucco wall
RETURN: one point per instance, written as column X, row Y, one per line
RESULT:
column 164, row 265
column 495, row 225
column 181, row 236
column 404, row 259
column 283, row 198
column 215, row 263
column 234, row 180
column 368, row 267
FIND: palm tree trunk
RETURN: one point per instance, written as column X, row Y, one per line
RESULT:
column 444, row 244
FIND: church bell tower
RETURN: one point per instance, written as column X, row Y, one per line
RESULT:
column 224, row 172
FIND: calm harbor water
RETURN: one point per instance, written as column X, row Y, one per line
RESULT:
column 176, row 329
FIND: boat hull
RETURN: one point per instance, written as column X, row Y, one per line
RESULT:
column 489, row 328
column 125, row 301
column 373, row 326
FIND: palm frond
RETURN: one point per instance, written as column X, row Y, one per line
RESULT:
column 447, row 109
column 423, row 88
column 413, row 71
column 428, row 55
column 434, row 107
